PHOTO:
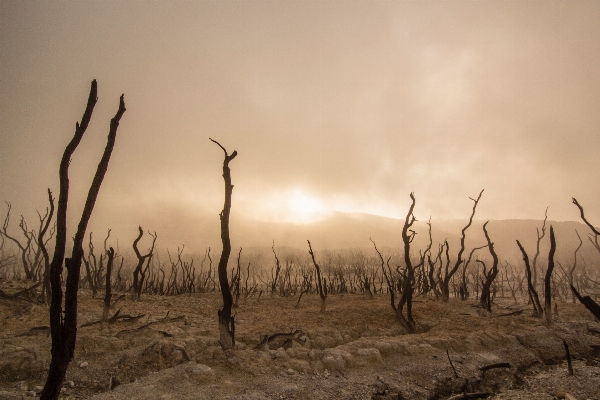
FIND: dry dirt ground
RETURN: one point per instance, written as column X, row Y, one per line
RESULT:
column 355, row 350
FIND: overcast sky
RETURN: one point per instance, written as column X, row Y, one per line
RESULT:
column 331, row 105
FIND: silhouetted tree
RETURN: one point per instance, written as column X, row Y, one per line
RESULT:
column 139, row 273
column 548, row 278
column 46, row 291
column 537, row 249
column 108, row 291
column 485, row 299
column 409, row 273
column 533, row 295
column 63, row 327
column 321, row 282
column 226, row 320
column 448, row 275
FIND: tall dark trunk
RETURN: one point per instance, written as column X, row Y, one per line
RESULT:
column 63, row 329
column 226, row 321
column 485, row 300
column 533, row 295
column 548, row 278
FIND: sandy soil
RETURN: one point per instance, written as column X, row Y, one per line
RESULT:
column 355, row 350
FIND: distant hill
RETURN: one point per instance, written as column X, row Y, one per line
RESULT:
column 346, row 230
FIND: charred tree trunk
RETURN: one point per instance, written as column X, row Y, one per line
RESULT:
column 63, row 328
column 407, row 284
column 533, row 295
column 587, row 301
column 46, row 291
column 277, row 269
column 548, row 278
column 321, row 283
column 537, row 250
column 107, row 294
column 485, row 299
column 138, row 273
column 226, row 320
column 459, row 260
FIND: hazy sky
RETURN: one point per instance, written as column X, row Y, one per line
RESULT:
column 331, row 105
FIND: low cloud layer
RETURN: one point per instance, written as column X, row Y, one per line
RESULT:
column 345, row 106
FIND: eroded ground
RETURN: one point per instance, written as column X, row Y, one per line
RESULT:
column 355, row 350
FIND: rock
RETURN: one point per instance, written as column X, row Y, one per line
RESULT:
column 367, row 356
column 5, row 395
column 281, row 355
column 20, row 363
column 38, row 389
column 334, row 363
column 84, row 364
column 200, row 373
column 300, row 366
column 315, row 354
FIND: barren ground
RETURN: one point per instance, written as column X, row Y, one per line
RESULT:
column 355, row 350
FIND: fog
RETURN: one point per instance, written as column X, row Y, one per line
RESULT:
column 332, row 107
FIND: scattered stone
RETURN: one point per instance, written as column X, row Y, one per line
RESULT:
column 18, row 363
column 5, row 395
column 84, row 364
column 200, row 373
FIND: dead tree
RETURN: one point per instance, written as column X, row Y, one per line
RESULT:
column 235, row 281
column 107, row 293
column 388, row 278
column 587, row 301
column 533, row 295
column 409, row 273
column 321, row 282
column 596, row 233
column 459, row 260
column 46, row 292
column 25, row 247
column 138, row 273
column 548, row 278
column 537, row 249
column 571, row 273
column 226, row 320
column 464, row 290
column 277, row 269
column 63, row 327
column 485, row 299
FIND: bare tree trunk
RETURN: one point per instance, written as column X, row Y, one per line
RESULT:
column 485, row 300
column 587, row 301
column 537, row 249
column 64, row 329
column 138, row 274
column 321, row 282
column 533, row 295
column 459, row 260
column 226, row 320
column 548, row 279
column 107, row 293
column 407, row 284
column 46, row 291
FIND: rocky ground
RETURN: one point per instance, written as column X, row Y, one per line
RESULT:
column 355, row 350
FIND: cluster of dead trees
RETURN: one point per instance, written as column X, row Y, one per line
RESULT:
column 423, row 272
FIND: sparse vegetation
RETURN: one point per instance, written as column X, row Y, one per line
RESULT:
column 359, row 285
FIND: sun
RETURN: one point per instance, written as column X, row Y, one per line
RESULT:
column 304, row 208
